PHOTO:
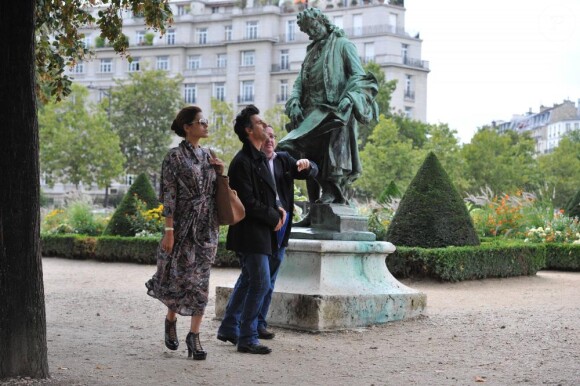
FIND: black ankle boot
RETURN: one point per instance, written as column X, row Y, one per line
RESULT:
column 171, row 341
column 194, row 347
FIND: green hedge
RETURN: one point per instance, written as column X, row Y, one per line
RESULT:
column 225, row 258
column 140, row 250
column 565, row 257
column 469, row 262
column 432, row 214
column 69, row 246
column 491, row 259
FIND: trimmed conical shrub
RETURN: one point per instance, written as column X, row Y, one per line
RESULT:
column 431, row 214
column 119, row 224
column 573, row 206
column 390, row 192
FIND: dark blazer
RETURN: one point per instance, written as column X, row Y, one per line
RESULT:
column 286, row 172
column 250, row 176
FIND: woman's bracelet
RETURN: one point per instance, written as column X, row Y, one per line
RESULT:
column 168, row 228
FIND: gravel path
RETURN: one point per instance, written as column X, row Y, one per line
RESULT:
column 104, row 330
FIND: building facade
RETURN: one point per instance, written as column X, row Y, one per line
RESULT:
column 252, row 55
column 548, row 126
column 245, row 53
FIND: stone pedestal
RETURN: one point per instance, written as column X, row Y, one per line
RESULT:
column 334, row 222
column 332, row 285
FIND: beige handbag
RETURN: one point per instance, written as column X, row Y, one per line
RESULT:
column 229, row 207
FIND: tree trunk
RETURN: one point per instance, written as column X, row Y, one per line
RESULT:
column 106, row 200
column 23, row 350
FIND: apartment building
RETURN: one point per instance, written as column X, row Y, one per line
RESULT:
column 548, row 126
column 243, row 53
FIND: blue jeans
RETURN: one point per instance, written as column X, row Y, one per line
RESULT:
column 275, row 262
column 246, row 300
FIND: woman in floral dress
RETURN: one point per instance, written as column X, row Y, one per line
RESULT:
column 189, row 244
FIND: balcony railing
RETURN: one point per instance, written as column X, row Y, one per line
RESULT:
column 374, row 30
column 293, row 66
column 371, row 30
column 205, row 71
column 397, row 59
column 296, row 37
column 278, row 68
column 245, row 99
column 246, row 69
column 413, row 62
column 281, row 98
column 409, row 95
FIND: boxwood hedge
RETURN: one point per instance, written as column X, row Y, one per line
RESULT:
column 140, row 250
column 468, row 262
column 490, row 259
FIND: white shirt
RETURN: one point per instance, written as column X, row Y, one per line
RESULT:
column 271, row 164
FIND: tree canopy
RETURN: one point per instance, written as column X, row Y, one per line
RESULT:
column 383, row 100
column 573, row 205
column 561, row 169
column 392, row 154
column 143, row 108
column 60, row 43
column 278, row 119
column 412, row 129
column 503, row 162
column 443, row 141
column 386, row 88
column 92, row 155
column 222, row 138
column 386, row 157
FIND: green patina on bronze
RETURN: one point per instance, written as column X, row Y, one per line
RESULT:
column 331, row 96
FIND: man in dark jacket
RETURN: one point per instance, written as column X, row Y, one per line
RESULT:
column 285, row 169
column 253, row 238
column 251, row 175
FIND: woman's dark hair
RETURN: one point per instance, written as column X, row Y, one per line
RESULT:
column 186, row 115
column 243, row 120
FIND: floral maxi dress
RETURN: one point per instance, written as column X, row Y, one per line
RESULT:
column 188, row 185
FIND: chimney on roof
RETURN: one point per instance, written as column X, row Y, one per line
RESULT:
column 543, row 108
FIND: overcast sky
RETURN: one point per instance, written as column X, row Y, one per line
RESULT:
column 495, row 58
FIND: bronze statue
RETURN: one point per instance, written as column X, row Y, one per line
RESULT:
column 331, row 96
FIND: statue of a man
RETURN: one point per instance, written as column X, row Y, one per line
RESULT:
column 331, row 95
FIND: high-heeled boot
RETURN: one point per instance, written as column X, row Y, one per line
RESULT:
column 194, row 347
column 171, row 341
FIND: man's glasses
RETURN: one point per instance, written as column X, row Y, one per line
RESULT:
column 203, row 122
